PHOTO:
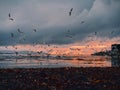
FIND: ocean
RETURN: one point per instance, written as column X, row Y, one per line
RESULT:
column 34, row 61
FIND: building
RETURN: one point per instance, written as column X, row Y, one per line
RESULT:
column 115, row 50
column 115, row 62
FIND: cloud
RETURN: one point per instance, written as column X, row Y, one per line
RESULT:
column 52, row 22
column 103, row 18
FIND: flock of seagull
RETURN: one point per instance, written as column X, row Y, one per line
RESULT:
column 21, row 32
column 69, row 35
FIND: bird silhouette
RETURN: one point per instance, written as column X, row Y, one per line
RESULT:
column 40, row 52
column 69, row 36
column 9, row 15
column 82, row 22
column 19, row 30
column 12, row 35
column 70, row 11
column 10, row 18
column 95, row 33
column 112, row 32
column 68, row 31
column 34, row 30
column 6, row 47
column 16, row 53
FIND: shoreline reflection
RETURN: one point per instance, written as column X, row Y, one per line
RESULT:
column 82, row 61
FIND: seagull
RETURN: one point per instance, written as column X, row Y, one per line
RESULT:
column 70, row 11
column 11, row 19
column 68, row 31
column 24, row 39
column 12, row 35
column 6, row 47
column 9, row 15
column 34, row 30
column 69, row 36
column 16, row 53
column 40, row 52
column 82, row 21
column 95, row 33
column 19, row 31
column 112, row 32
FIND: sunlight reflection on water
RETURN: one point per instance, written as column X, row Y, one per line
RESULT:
column 91, row 61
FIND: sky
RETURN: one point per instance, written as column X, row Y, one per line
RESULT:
column 92, row 22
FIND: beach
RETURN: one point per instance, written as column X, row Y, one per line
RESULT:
column 66, row 78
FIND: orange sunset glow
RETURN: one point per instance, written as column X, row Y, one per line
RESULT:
column 75, row 49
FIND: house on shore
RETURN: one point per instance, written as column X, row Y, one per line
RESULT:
column 115, row 51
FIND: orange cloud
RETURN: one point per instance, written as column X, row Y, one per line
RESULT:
column 85, row 47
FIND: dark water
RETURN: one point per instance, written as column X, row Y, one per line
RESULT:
column 24, row 61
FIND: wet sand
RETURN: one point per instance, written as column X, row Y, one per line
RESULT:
column 60, row 79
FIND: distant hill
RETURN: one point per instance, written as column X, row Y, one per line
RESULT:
column 103, row 53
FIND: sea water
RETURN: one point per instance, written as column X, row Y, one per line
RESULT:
column 25, row 61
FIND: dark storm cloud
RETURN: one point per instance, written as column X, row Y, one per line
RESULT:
column 53, row 24
column 102, row 18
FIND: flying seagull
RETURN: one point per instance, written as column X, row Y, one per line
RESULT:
column 95, row 33
column 68, row 31
column 11, row 19
column 82, row 21
column 70, row 11
column 9, row 15
column 34, row 30
column 112, row 32
column 16, row 53
column 12, row 35
column 19, row 31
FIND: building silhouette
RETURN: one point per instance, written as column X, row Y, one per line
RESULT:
column 115, row 51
